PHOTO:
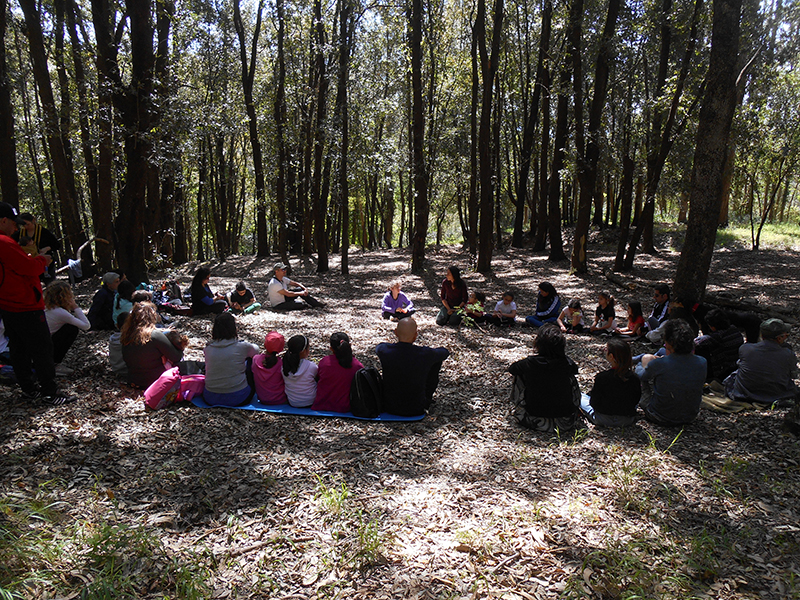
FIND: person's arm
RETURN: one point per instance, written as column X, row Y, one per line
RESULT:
column 407, row 301
column 76, row 317
column 550, row 312
column 251, row 299
column 386, row 305
column 443, row 295
column 513, row 313
column 25, row 265
column 561, row 317
column 170, row 352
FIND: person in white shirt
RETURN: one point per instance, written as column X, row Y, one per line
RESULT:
column 282, row 298
column 64, row 319
column 505, row 311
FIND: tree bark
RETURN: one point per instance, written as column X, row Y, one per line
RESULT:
column 711, row 153
column 9, row 179
column 419, row 166
column 280, row 125
column 345, row 38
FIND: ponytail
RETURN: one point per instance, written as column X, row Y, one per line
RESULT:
column 342, row 350
column 294, row 348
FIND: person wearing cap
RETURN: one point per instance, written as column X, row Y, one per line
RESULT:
column 765, row 370
column 35, row 239
column 267, row 375
column 22, row 311
column 282, row 298
column 100, row 314
column 410, row 372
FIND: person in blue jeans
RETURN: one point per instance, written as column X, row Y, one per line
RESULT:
column 548, row 306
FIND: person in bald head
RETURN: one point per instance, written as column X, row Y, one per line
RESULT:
column 410, row 372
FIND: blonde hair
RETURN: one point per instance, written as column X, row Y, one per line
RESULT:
column 58, row 295
column 139, row 325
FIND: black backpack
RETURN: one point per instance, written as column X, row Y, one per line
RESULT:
column 366, row 393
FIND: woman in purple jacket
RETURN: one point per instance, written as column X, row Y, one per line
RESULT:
column 396, row 304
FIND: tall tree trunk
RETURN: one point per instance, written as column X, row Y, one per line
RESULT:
column 419, row 167
column 472, row 198
column 531, row 120
column 489, row 65
column 280, row 125
column 588, row 161
column 554, row 184
column 318, row 203
column 345, row 40
column 713, row 136
column 9, row 179
column 64, row 175
column 248, row 77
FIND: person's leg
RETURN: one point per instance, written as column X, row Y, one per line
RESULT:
column 441, row 318
column 454, row 320
column 532, row 321
column 39, row 347
column 387, row 315
column 62, row 341
column 21, row 361
column 252, row 308
column 586, row 408
column 647, row 393
column 313, row 302
column 290, row 304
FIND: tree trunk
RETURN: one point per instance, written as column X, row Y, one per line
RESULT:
column 419, row 168
column 280, row 124
column 345, row 39
column 554, row 185
column 9, row 179
column 318, row 203
column 713, row 136
column 626, row 202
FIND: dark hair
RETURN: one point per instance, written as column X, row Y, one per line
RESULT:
column 549, row 288
column 27, row 217
column 294, row 348
column 124, row 291
column 224, row 327
column 270, row 360
column 340, row 344
column 456, row 273
column 575, row 304
column 141, row 296
column 544, row 302
column 480, row 297
column 510, row 294
column 241, row 287
column 682, row 313
column 636, row 308
column 662, row 288
column 679, row 335
column 717, row 319
column 200, row 276
column 621, row 352
column 550, row 341
column 607, row 295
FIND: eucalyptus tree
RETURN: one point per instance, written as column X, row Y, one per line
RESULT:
column 9, row 179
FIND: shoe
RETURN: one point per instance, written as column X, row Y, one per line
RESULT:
column 63, row 370
column 31, row 396
column 58, row 400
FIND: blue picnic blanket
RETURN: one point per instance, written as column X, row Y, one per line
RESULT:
column 286, row 409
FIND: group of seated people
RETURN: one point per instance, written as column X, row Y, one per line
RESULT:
column 668, row 386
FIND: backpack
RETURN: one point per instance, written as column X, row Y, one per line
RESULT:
column 366, row 393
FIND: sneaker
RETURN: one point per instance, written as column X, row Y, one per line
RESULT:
column 63, row 370
column 30, row 396
column 58, row 400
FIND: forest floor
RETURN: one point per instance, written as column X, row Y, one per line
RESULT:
column 100, row 499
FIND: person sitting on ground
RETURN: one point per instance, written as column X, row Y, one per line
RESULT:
column 179, row 340
column 660, row 309
column 605, row 320
column 678, row 309
column 144, row 347
column 672, row 385
column 299, row 373
column 454, row 296
column 35, row 240
column 505, row 312
column 475, row 308
column 396, row 304
column 766, row 370
column 548, row 306
column 242, row 300
column 336, row 372
column 410, row 372
column 204, row 301
column 282, row 298
column 571, row 318
column 229, row 380
column 22, row 312
column 720, row 347
column 545, row 390
column 635, row 326
column 616, row 392
column 267, row 371
column 64, row 319
column 101, row 313
column 115, row 357
column 123, row 299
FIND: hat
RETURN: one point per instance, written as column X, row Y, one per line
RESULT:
column 110, row 277
column 274, row 342
column 280, row 266
column 772, row 328
column 9, row 212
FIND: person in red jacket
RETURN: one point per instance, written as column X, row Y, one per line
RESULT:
column 22, row 311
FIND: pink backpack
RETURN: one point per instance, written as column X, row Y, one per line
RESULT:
column 171, row 387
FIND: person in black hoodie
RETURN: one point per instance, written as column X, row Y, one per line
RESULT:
column 545, row 390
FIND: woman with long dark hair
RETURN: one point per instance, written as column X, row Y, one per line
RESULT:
column 548, row 306
column 336, row 372
column 204, row 301
column 454, row 296
column 299, row 373
column 144, row 347
column 616, row 392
